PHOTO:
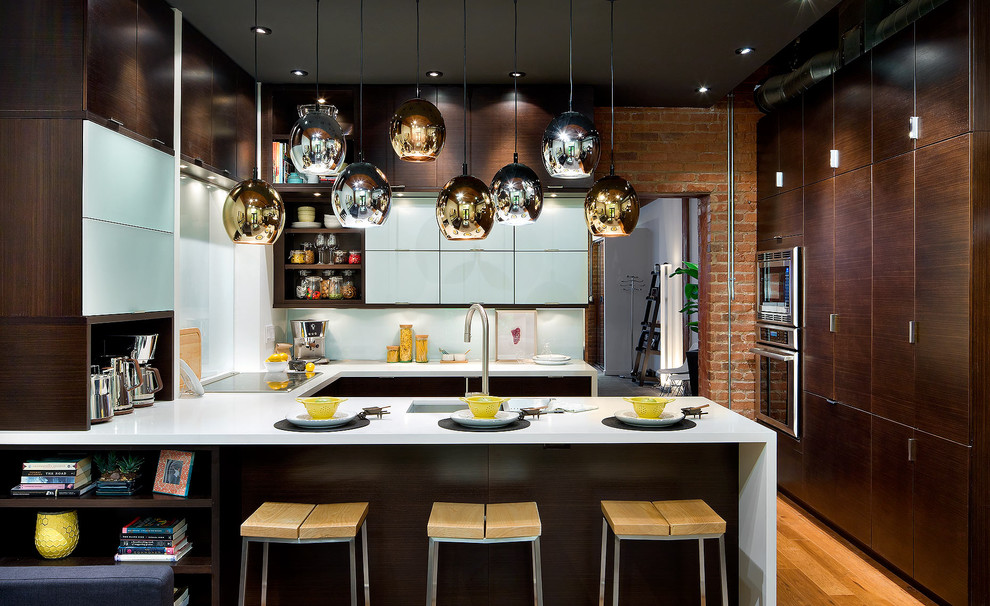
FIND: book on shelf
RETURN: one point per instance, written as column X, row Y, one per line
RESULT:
column 50, row 473
column 152, row 525
column 180, row 596
column 281, row 165
column 52, row 486
column 112, row 491
column 153, row 557
column 67, row 463
column 153, row 550
column 80, row 479
column 47, row 490
column 127, row 540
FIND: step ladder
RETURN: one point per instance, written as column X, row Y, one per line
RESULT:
column 649, row 337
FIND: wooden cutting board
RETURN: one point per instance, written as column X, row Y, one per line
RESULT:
column 191, row 349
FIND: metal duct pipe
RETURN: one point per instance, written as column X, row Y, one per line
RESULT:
column 903, row 17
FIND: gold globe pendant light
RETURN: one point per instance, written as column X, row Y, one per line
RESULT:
column 516, row 188
column 571, row 143
column 417, row 130
column 253, row 212
column 316, row 143
column 361, row 195
column 464, row 206
column 611, row 207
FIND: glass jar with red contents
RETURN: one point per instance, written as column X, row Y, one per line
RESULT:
column 354, row 257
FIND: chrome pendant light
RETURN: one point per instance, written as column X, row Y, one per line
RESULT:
column 361, row 195
column 571, row 143
column 464, row 206
column 611, row 207
column 417, row 131
column 253, row 212
column 316, row 144
column 516, row 188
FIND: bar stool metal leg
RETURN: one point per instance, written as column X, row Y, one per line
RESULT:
column 601, row 585
column 725, row 581
column 264, row 575
column 244, row 559
column 364, row 549
column 431, row 575
column 537, row 572
column 353, row 553
column 615, row 574
column 701, row 569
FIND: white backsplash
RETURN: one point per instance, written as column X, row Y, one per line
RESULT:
column 362, row 334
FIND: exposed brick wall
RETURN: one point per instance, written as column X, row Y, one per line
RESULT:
column 683, row 152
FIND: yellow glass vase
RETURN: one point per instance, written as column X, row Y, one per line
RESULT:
column 56, row 533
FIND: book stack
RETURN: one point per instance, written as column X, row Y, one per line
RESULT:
column 117, row 488
column 281, row 164
column 180, row 596
column 153, row 539
column 55, row 477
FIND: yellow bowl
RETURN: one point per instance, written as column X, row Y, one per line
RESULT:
column 321, row 408
column 648, row 407
column 484, row 407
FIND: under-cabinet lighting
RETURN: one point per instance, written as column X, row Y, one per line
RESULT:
column 299, row 72
column 261, row 29
column 744, row 50
column 517, row 74
column 702, row 89
column 434, row 73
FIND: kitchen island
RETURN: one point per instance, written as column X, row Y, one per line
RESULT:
column 403, row 462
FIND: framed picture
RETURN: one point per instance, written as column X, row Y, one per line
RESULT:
column 515, row 334
column 174, row 469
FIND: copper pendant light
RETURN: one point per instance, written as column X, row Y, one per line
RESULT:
column 417, row 130
column 316, row 144
column 361, row 195
column 516, row 188
column 464, row 206
column 571, row 143
column 611, row 207
column 253, row 212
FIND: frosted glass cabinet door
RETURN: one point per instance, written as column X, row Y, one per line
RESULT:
column 402, row 277
column 126, row 269
column 500, row 238
column 561, row 226
column 125, row 181
column 411, row 225
column 552, row 278
column 473, row 277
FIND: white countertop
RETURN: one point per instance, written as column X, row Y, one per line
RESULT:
column 369, row 368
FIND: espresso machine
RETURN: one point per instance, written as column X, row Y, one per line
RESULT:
column 140, row 348
column 309, row 341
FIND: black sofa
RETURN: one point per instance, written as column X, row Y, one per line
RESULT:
column 116, row 585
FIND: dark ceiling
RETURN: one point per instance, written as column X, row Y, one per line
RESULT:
column 664, row 50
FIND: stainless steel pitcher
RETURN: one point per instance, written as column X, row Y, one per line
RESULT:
column 101, row 397
column 151, row 383
column 125, row 377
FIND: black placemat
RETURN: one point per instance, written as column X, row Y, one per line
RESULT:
column 617, row 424
column 357, row 423
column 454, row 426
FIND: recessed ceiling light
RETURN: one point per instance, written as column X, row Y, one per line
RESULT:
column 261, row 29
column 517, row 74
column 434, row 73
column 299, row 72
column 744, row 50
column 702, row 89
column 321, row 100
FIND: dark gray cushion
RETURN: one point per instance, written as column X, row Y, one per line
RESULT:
column 119, row 585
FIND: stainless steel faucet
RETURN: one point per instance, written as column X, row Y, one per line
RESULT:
column 484, row 341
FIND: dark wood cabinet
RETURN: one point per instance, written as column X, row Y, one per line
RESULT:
column 942, row 63
column 893, row 95
column 767, row 155
column 223, row 115
column 450, row 102
column 818, row 127
column 893, row 289
column 780, row 216
column 942, row 293
column 792, row 155
column 790, row 466
column 819, row 287
column 853, row 114
column 156, row 71
column 197, row 95
column 852, row 288
column 892, row 497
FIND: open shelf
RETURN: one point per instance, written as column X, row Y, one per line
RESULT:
column 322, row 266
column 138, row 501
column 187, row 565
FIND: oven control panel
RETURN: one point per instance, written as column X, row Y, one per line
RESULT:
column 780, row 336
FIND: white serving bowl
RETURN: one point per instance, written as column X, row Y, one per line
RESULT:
column 276, row 366
column 330, row 221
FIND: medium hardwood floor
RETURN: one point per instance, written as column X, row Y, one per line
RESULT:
column 816, row 566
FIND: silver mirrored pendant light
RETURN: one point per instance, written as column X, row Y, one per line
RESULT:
column 417, row 130
column 571, row 143
column 316, row 144
column 516, row 188
column 611, row 207
column 361, row 195
column 253, row 212
column 464, row 206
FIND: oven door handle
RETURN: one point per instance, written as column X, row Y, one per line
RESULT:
column 773, row 355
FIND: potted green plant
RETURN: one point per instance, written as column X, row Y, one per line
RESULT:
column 691, row 289
column 119, row 474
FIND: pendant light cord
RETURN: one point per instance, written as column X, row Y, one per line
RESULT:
column 361, row 92
column 465, row 89
column 570, row 59
column 255, row 173
column 417, row 49
column 515, row 80
column 317, row 51
column 611, row 69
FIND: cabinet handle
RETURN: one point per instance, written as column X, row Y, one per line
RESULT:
column 833, row 158
column 552, row 303
column 832, row 402
column 476, row 250
column 833, row 322
column 780, row 179
column 115, row 121
column 915, row 132
column 551, row 250
column 912, row 449
column 912, row 332
column 159, row 141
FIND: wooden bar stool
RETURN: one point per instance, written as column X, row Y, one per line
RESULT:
column 302, row 524
column 661, row 521
column 468, row 523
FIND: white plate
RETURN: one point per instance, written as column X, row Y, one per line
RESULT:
column 668, row 417
column 304, row 420
column 551, row 358
column 466, row 418
column 306, row 224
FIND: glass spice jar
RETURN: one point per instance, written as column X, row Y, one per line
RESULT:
column 422, row 348
column 348, row 289
column 339, row 257
column 309, row 251
column 297, row 256
column 301, row 284
column 329, row 288
column 391, row 353
column 354, row 257
column 313, row 285
column 405, row 343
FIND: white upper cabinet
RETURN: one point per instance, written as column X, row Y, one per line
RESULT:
column 551, row 278
column 561, row 226
column 126, row 269
column 500, row 238
column 125, row 181
column 476, row 277
column 397, row 277
column 411, row 225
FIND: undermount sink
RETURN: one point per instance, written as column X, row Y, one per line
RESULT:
column 437, row 405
